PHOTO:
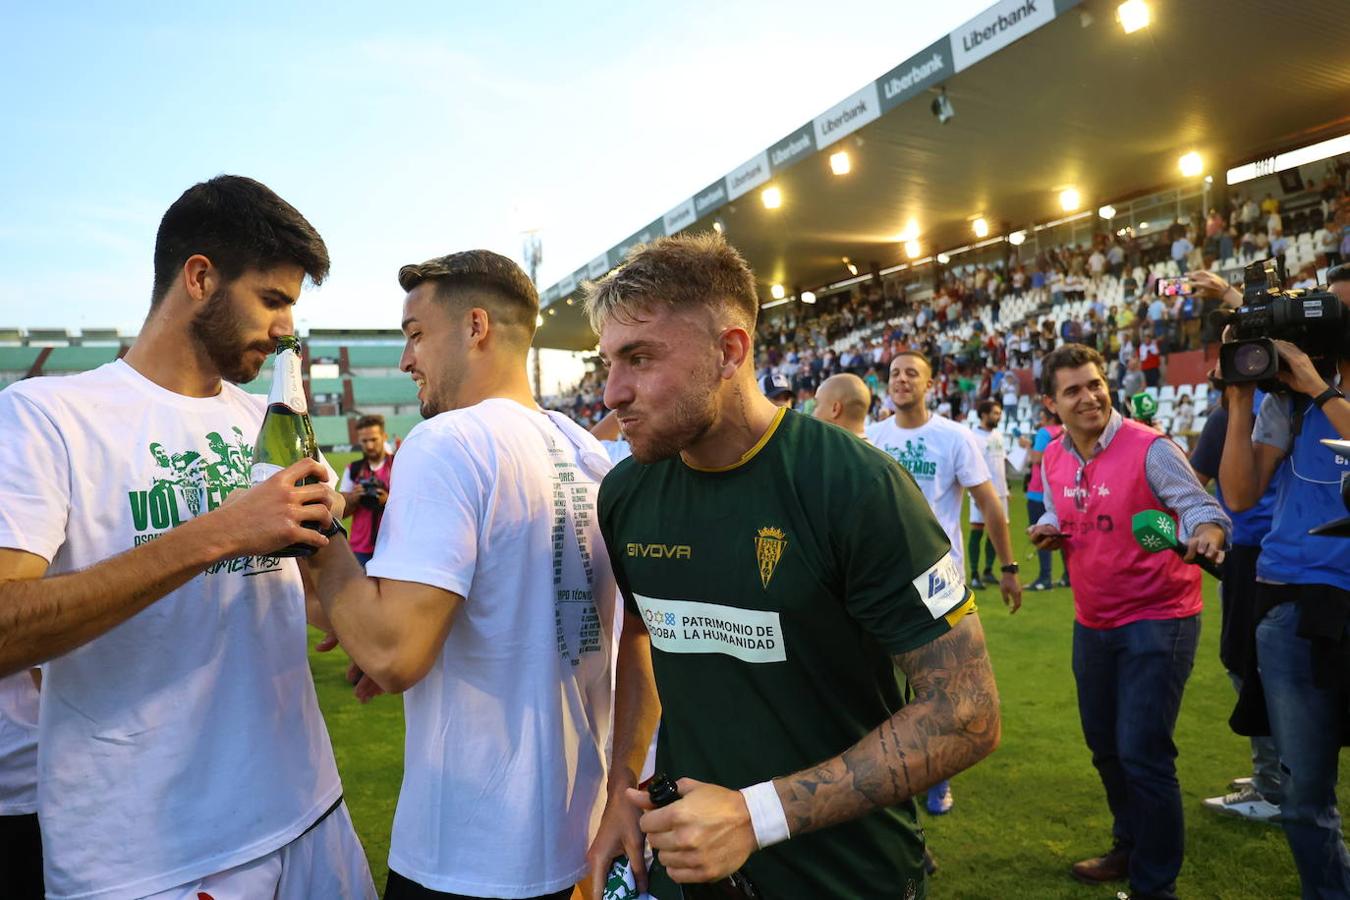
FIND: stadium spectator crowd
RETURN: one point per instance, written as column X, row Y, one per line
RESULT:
column 983, row 353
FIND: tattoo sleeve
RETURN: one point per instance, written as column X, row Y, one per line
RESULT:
column 952, row 723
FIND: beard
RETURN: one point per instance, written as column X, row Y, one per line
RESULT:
column 693, row 414
column 219, row 331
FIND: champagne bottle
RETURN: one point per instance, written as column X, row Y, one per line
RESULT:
column 286, row 436
column 620, row 886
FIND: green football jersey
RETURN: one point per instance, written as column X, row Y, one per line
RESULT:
column 775, row 592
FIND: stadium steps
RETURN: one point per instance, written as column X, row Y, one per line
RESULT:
column 78, row 359
column 390, row 390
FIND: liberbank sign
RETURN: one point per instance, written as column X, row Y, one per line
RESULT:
column 990, row 31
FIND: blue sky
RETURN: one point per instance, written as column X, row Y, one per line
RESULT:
column 402, row 131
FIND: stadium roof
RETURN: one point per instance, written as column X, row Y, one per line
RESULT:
column 1047, row 94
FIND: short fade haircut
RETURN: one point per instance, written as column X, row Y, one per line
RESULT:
column 1069, row 356
column 371, row 421
column 506, row 291
column 239, row 224
column 987, row 406
column 677, row 273
column 917, row 354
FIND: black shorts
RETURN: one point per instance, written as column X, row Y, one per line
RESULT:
column 21, row 858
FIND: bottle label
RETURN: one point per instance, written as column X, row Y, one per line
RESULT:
column 261, row 472
column 288, row 388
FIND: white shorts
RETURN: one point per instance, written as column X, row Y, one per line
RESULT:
column 325, row 863
column 977, row 517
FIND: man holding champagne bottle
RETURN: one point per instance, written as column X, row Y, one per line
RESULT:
column 489, row 603
column 182, row 749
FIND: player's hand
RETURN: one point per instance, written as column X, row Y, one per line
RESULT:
column 1012, row 591
column 1300, row 373
column 364, row 688
column 618, row 835
column 273, row 514
column 703, row 836
column 1207, row 541
column 1045, row 537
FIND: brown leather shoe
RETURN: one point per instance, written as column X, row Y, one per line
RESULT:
column 1112, row 866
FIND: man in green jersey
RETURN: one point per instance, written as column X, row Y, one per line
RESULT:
column 775, row 571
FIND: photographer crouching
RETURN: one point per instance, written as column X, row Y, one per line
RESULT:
column 1296, row 345
column 365, row 486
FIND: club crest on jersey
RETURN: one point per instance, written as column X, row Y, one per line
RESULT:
column 769, row 546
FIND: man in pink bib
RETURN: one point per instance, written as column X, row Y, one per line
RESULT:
column 1137, row 614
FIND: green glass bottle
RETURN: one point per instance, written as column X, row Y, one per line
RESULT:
column 286, row 436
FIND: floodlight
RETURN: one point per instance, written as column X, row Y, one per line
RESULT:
column 840, row 163
column 778, row 292
column 1191, row 164
column 910, row 232
column 808, row 297
column 1143, row 226
column 772, row 197
column 1107, row 212
column 943, row 258
column 912, row 249
column 1133, row 15
column 848, row 264
column 1069, row 199
column 981, row 227
column 1017, row 238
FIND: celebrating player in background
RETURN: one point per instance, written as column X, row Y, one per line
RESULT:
column 182, row 750
column 1136, row 613
column 945, row 460
column 365, row 486
column 490, row 602
column 992, row 447
column 745, row 541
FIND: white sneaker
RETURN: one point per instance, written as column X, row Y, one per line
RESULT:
column 1246, row 803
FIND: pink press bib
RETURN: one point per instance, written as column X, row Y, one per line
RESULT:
column 1115, row 581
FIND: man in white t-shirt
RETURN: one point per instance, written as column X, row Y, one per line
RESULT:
column 20, row 837
column 489, row 603
column 182, row 749
column 995, row 452
column 946, row 462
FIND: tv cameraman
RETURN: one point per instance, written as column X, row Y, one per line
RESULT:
column 1303, row 591
column 365, row 486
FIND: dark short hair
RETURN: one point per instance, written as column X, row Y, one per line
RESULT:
column 677, row 272
column 1338, row 273
column 371, row 421
column 502, row 286
column 1069, row 356
column 986, row 406
column 239, row 224
column 918, row 354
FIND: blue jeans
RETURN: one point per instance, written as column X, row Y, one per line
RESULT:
column 1130, row 681
column 1305, row 720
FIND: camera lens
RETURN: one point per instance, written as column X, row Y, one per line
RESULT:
column 1251, row 359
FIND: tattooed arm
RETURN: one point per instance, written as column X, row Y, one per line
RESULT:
column 952, row 724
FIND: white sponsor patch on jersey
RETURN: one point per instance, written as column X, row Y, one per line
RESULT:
column 685, row 626
column 942, row 587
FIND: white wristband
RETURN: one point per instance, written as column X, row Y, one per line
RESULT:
column 766, row 814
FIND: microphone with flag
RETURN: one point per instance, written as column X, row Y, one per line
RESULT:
column 1155, row 531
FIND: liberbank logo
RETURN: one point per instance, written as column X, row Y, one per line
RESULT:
column 997, row 28
column 894, row 86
